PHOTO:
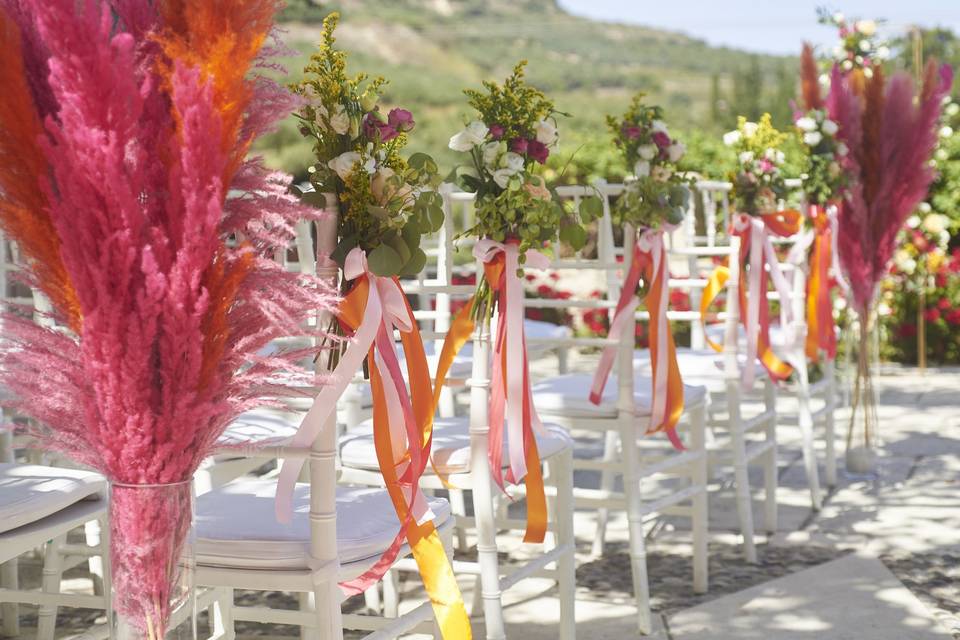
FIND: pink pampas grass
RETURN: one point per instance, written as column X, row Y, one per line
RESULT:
column 167, row 234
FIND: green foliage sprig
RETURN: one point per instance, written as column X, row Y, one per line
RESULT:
column 386, row 201
column 657, row 194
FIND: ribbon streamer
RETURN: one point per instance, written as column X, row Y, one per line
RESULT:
column 754, row 310
column 402, row 426
column 821, row 334
column 650, row 262
column 511, row 400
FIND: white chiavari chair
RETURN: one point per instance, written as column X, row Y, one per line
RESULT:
column 336, row 534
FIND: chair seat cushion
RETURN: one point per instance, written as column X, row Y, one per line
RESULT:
column 259, row 426
column 29, row 493
column 715, row 331
column 568, row 395
column 451, row 445
column 236, row 526
column 699, row 366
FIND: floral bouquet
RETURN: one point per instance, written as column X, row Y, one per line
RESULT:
column 758, row 181
column 516, row 215
column 658, row 194
column 859, row 47
column 823, row 177
column 125, row 181
column 386, row 201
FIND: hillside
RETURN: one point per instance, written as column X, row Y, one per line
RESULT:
column 431, row 49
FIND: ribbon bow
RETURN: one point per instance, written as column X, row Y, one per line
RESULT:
column 754, row 310
column 402, row 425
column 650, row 262
column 511, row 401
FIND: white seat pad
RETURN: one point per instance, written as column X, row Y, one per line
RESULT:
column 451, row 445
column 532, row 329
column 236, row 525
column 29, row 493
column 259, row 426
column 703, row 367
column 569, row 395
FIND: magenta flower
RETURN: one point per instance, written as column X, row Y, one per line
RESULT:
column 374, row 128
column 661, row 139
column 766, row 166
column 538, row 151
column 401, row 120
column 496, row 131
column 519, row 145
column 632, row 132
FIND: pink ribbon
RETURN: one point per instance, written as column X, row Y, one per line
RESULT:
column 649, row 242
column 512, row 341
column 762, row 256
column 385, row 311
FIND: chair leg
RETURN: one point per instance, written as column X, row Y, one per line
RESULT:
column 830, row 400
column 700, row 515
column 638, row 547
column 222, row 622
column 562, row 470
column 770, row 463
column 607, row 479
column 326, row 598
column 741, row 480
column 805, row 420
column 9, row 579
column 458, row 507
column 488, row 558
column 91, row 531
column 391, row 594
column 372, row 598
column 52, row 575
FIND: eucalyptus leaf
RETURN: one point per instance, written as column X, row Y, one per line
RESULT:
column 378, row 212
column 384, row 261
column 345, row 246
column 400, row 245
column 416, row 263
column 419, row 160
column 573, row 235
column 411, row 233
column 435, row 218
column 591, row 208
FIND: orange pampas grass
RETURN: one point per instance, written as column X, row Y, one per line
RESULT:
column 809, row 79
column 24, row 211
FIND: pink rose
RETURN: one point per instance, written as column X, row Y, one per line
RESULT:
column 400, row 119
column 538, row 151
column 661, row 139
column 632, row 132
column 519, row 145
column 496, row 131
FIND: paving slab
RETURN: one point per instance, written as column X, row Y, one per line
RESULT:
column 846, row 599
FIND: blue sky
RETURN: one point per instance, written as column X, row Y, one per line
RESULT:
column 769, row 26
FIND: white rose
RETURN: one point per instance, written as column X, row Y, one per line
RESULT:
column 781, row 157
column 946, row 132
column 641, row 169
column 731, row 138
column 502, row 177
column 812, row 138
column 474, row 133
column 340, row 121
column 658, row 125
column 842, row 149
column 647, row 151
column 847, row 65
column 490, row 152
column 924, row 207
column 867, row 27
column 935, row 223
column 749, row 129
column 882, row 53
column 343, row 164
column 830, row 127
column 512, row 162
column 913, row 221
column 746, row 157
column 806, row 123
column 865, row 45
column 675, row 151
column 952, row 109
column 546, row 132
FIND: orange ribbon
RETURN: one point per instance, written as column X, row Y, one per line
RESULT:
column 782, row 223
column 821, row 335
column 425, row 544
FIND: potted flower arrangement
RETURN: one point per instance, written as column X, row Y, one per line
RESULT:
column 657, row 194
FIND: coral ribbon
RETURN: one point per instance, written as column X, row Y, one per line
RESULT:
column 402, row 427
column 821, row 333
column 511, row 401
column 754, row 232
column 650, row 262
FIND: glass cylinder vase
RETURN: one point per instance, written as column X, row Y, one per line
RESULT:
column 151, row 562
